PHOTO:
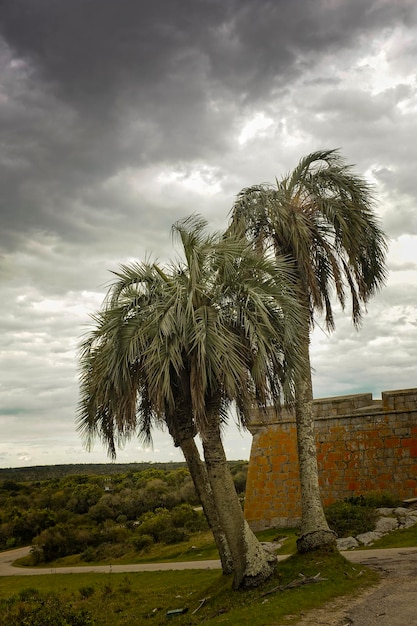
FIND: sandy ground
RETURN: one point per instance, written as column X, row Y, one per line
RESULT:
column 393, row 602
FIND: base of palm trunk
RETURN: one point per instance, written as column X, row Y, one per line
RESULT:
column 249, row 581
column 317, row 540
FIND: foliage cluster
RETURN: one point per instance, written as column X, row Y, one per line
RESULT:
column 34, row 608
column 357, row 514
column 102, row 516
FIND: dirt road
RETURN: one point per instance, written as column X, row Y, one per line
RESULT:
column 393, row 602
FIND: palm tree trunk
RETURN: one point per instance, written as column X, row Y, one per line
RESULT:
column 252, row 564
column 182, row 430
column 315, row 533
column 202, row 486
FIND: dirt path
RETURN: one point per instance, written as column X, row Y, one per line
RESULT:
column 393, row 602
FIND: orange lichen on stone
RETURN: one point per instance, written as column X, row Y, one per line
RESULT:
column 358, row 450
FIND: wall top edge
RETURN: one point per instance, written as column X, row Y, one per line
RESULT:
column 354, row 405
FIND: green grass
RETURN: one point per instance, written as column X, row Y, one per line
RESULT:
column 133, row 598
column 136, row 598
column 401, row 538
column 289, row 545
column 200, row 547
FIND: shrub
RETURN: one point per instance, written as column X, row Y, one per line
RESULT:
column 173, row 535
column 86, row 591
column 349, row 519
column 154, row 523
column 141, row 542
column 89, row 554
column 11, row 542
column 31, row 607
column 239, row 480
column 59, row 541
column 113, row 533
column 376, row 500
column 106, row 551
column 184, row 515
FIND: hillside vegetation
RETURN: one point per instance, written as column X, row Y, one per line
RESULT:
column 102, row 516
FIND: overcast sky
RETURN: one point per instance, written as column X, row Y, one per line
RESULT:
column 118, row 118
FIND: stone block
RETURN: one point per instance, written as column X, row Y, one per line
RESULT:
column 386, row 525
column 401, row 511
column 347, row 543
column 368, row 539
column 402, row 431
column 385, row 511
column 408, row 521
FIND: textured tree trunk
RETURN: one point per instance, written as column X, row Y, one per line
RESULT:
column 251, row 563
column 182, row 431
column 204, row 491
column 315, row 532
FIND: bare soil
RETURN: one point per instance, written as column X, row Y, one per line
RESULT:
column 393, row 602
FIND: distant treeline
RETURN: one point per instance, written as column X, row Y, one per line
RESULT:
column 45, row 472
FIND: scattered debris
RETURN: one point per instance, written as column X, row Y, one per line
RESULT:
column 174, row 612
column 298, row 582
column 202, row 602
column 356, row 575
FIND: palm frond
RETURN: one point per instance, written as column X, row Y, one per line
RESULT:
column 173, row 344
column 321, row 216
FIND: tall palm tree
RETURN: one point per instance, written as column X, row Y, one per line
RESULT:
column 321, row 216
column 181, row 344
column 114, row 401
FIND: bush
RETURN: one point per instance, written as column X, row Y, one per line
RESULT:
column 113, row 533
column 142, row 542
column 33, row 608
column 173, row 535
column 87, row 591
column 350, row 519
column 154, row 523
column 106, row 551
column 375, row 500
column 184, row 515
column 89, row 554
column 61, row 540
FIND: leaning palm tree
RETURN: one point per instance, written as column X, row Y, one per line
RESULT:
column 180, row 345
column 114, row 400
column 320, row 216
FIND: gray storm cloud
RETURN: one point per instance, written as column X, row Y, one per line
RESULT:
column 118, row 118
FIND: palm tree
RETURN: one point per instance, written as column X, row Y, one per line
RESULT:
column 321, row 217
column 179, row 345
column 109, row 405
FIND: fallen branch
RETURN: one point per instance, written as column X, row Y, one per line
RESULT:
column 298, row 582
column 202, row 602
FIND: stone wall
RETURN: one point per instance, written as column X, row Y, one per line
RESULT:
column 363, row 445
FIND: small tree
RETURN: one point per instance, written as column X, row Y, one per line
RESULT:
column 179, row 345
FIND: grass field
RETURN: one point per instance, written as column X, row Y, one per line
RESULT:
column 136, row 598
column 199, row 547
column 206, row 595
